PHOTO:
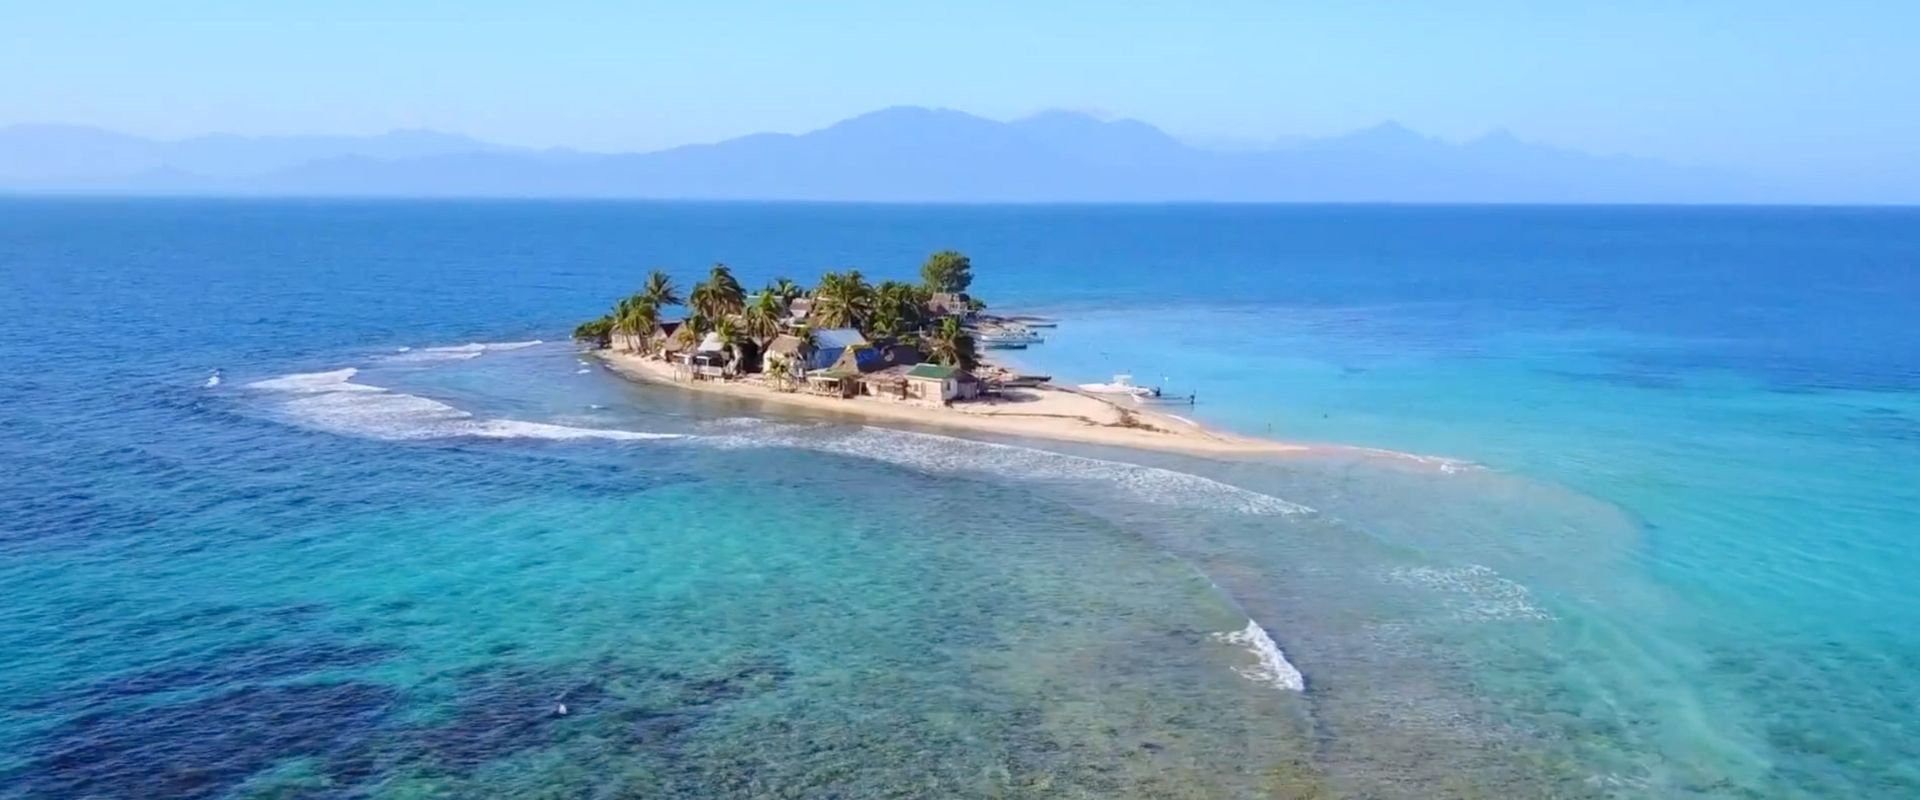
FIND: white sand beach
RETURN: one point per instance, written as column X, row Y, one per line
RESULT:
column 1047, row 412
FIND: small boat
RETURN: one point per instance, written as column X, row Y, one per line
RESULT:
column 1004, row 345
column 1006, row 336
column 1156, row 398
column 1123, row 384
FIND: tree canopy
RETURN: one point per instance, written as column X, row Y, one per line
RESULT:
column 947, row 271
column 949, row 344
column 888, row 310
column 659, row 290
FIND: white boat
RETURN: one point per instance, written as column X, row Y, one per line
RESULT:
column 1008, row 336
column 1155, row 397
column 1123, row 385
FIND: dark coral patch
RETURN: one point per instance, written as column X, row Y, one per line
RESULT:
column 206, row 747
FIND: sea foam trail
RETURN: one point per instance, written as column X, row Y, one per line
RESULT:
column 458, row 352
column 1270, row 666
column 947, row 454
column 332, row 402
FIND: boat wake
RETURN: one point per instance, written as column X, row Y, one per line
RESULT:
column 928, row 452
column 333, row 402
column 1270, row 666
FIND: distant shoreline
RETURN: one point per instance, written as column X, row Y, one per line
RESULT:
column 1045, row 412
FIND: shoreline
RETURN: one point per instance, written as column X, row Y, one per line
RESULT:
column 1045, row 412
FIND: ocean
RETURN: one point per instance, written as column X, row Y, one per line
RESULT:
column 313, row 499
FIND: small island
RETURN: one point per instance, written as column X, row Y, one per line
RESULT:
column 890, row 352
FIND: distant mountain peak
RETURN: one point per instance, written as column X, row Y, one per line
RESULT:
column 904, row 114
column 1390, row 131
column 900, row 153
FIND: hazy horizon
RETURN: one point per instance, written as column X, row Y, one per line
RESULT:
column 1777, row 93
column 1774, row 87
column 1280, row 141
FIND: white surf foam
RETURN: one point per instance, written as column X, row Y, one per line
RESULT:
column 332, row 402
column 458, row 352
column 339, row 380
column 1442, row 464
column 1270, row 666
column 946, row 454
column 213, row 380
column 519, row 429
column 1474, row 593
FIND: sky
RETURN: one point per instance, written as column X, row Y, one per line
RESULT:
column 1783, row 88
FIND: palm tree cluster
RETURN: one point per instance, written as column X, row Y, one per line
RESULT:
column 843, row 299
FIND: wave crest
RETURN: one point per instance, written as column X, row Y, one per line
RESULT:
column 458, row 352
column 1270, row 666
column 332, row 402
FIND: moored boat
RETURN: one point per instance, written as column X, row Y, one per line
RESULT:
column 1123, row 385
column 1007, row 336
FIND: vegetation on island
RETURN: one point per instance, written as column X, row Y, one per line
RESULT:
column 930, row 315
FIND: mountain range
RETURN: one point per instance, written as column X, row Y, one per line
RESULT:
column 902, row 154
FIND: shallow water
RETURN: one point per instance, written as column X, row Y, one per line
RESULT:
column 1664, row 555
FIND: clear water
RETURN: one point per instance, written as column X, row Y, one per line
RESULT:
column 1666, row 553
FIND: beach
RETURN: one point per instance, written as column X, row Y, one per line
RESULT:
column 1043, row 412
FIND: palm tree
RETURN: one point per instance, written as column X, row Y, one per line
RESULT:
column 637, row 320
column 886, row 320
column 690, row 331
column 659, row 290
column 705, row 301
column 900, row 304
column 731, row 299
column 842, row 300
column 762, row 319
column 729, row 338
column 618, row 317
column 949, row 344
column 785, row 289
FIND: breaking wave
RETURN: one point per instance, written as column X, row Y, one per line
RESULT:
column 458, row 352
column 1270, row 666
column 332, row 402
column 1442, row 464
column 946, row 454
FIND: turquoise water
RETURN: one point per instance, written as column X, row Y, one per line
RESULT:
column 1655, row 544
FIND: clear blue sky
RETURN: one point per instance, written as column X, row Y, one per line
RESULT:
column 1782, row 86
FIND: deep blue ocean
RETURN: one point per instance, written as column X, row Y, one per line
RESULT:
column 313, row 499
